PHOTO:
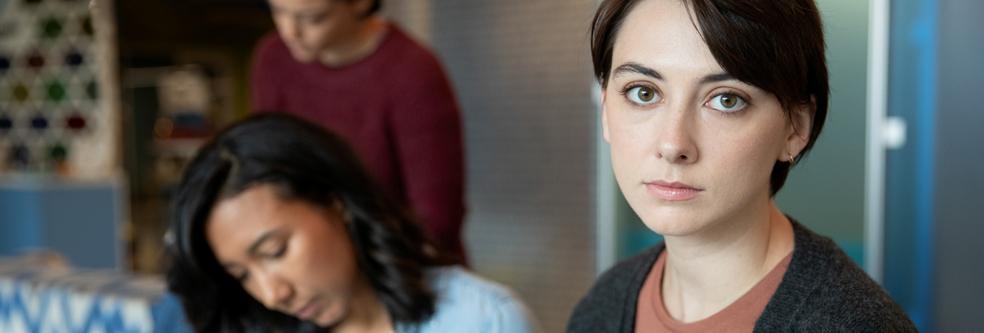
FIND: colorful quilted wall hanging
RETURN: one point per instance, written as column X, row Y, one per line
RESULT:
column 57, row 117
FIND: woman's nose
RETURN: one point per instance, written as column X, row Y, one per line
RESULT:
column 675, row 138
column 290, row 29
column 275, row 292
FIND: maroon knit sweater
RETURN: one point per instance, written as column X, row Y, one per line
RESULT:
column 396, row 109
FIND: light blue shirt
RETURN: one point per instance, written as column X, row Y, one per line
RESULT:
column 468, row 303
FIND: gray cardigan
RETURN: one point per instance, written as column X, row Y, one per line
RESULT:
column 822, row 291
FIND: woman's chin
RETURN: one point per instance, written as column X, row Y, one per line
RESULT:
column 673, row 224
column 672, row 221
column 331, row 317
column 672, row 229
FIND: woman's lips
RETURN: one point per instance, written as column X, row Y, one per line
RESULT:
column 672, row 191
column 308, row 311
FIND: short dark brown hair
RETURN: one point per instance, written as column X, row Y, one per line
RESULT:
column 776, row 45
column 374, row 8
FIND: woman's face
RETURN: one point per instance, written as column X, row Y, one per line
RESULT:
column 691, row 146
column 309, row 27
column 291, row 256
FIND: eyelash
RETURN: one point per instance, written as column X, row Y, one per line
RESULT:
column 625, row 90
column 277, row 254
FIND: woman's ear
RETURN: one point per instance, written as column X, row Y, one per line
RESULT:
column 799, row 130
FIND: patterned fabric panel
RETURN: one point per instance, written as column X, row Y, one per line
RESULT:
column 57, row 299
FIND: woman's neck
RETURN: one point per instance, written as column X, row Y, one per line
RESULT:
column 708, row 271
column 366, row 313
column 362, row 44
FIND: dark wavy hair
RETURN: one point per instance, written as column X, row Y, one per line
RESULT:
column 303, row 162
column 776, row 45
column 375, row 7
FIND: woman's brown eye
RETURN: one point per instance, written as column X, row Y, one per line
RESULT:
column 727, row 103
column 645, row 94
column 642, row 95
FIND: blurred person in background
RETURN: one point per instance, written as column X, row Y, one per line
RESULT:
column 277, row 228
column 707, row 104
column 339, row 64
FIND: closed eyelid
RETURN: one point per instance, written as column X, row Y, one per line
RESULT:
column 265, row 238
column 315, row 16
column 271, row 247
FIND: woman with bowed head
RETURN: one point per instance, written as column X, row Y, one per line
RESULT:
column 277, row 228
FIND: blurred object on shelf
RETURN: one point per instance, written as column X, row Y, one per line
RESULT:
column 172, row 110
column 59, row 115
column 184, row 71
column 183, row 124
column 37, row 258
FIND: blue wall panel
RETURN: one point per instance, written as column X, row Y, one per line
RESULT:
column 80, row 221
column 910, row 186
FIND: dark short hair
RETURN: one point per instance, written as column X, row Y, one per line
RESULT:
column 305, row 162
column 376, row 6
column 776, row 45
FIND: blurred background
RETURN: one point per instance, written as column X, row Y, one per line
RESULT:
column 103, row 102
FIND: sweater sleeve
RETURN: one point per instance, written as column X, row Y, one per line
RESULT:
column 426, row 125
column 265, row 87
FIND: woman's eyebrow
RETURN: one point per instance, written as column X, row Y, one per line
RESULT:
column 716, row 77
column 633, row 67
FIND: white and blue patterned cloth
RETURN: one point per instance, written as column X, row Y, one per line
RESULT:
column 39, row 299
column 469, row 303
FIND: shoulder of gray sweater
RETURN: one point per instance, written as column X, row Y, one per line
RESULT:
column 609, row 300
column 845, row 297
